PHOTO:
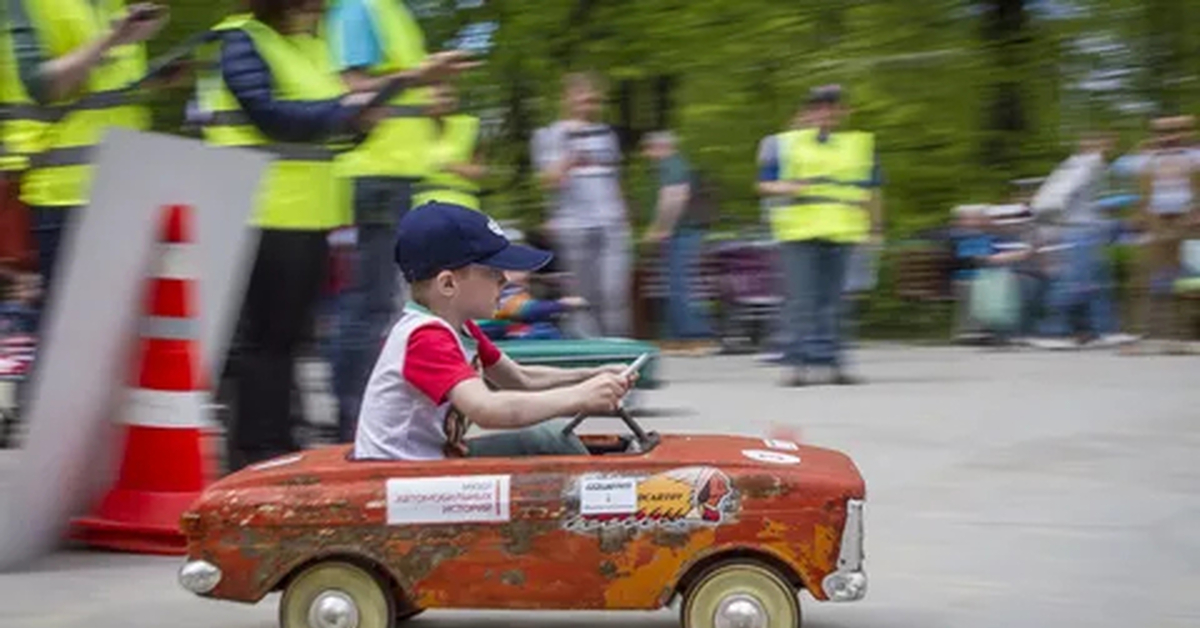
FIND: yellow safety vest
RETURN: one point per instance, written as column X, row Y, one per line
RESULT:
column 456, row 145
column 60, row 149
column 834, row 205
column 300, row 190
column 18, row 113
column 399, row 145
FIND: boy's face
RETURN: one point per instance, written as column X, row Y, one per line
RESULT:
column 476, row 291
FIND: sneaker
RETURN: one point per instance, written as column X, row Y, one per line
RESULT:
column 770, row 357
column 842, row 378
column 1114, row 340
column 1053, row 344
column 795, row 379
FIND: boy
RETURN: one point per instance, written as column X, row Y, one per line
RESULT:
column 427, row 380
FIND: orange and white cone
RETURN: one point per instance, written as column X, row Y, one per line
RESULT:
column 164, row 466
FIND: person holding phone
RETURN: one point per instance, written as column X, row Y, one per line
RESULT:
column 76, row 60
column 273, row 89
column 373, row 43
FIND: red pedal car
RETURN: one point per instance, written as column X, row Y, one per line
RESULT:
column 730, row 527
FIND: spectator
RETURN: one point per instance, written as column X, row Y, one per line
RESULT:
column 18, row 320
column 988, row 291
column 274, row 91
column 81, row 57
column 683, row 214
column 1168, row 171
column 1080, row 281
column 779, row 336
column 456, row 161
column 579, row 161
column 372, row 43
column 831, row 179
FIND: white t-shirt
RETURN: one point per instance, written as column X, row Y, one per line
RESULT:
column 1171, row 189
column 406, row 413
column 591, row 195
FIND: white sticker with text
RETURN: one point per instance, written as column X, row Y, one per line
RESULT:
column 607, row 496
column 785, row 445
column 461, row 499
column 774, row 457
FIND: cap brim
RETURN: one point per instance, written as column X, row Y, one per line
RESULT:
column 518, row 257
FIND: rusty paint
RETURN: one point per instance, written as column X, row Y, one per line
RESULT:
column 259, row 526
column 513, row 577
column 300, row 480
column 762, row 486
column 614, row 540
column 608, row 570
column 519, row 535
column 672, row 538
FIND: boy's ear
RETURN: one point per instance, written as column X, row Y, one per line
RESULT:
column 444, row 283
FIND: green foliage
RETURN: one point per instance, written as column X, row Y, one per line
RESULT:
column 961, row 98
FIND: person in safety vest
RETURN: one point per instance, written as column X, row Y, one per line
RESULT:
column 76, row 61
column 371, row 42
column 831, row 181
column 455, row 158
column 15, row 251
column 273, row 89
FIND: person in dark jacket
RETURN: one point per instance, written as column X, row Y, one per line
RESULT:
column 277, row 92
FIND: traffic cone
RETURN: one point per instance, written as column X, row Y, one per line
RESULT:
column 164, row 466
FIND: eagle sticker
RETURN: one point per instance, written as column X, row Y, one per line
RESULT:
column 680, row 497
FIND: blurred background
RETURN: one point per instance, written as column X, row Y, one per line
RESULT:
column 965, row 97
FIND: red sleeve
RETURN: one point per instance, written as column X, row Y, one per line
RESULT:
column 489, row 353
column 434, row 363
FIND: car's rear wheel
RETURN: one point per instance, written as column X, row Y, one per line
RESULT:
column 740, row 594
column 336, row 594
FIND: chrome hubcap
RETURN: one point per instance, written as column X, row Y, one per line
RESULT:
column 333, row 609
column 740, row 611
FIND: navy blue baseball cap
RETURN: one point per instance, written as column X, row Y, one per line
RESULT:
column 444, row 236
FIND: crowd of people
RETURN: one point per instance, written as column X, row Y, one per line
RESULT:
column 1041, row 271
column 301, row 81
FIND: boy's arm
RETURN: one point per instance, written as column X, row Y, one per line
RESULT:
column 508, row 374
column 515, row 409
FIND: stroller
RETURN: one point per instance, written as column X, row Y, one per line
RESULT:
column 749, row 291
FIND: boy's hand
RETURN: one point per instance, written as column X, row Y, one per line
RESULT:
column 602, row 393
column 618, row 370
column 574, row 303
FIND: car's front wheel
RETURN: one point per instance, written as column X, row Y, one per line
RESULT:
column 740, row 594
column 336, row 594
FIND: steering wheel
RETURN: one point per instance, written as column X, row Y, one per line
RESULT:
column 644, row 440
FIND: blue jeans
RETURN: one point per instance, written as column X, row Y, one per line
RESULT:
column 367, row 305
column 814, row 274
column 48, row 226
column 685, row 316
column 1084, row 284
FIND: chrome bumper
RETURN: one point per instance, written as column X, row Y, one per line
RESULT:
column 199, row 576
column 849, row 582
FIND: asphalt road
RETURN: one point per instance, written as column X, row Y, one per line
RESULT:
column 1004, row 489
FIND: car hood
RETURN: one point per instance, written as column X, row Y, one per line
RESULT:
column 733, row 454
column 749, row 454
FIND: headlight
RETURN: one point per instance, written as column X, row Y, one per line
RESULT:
column 199, row 576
